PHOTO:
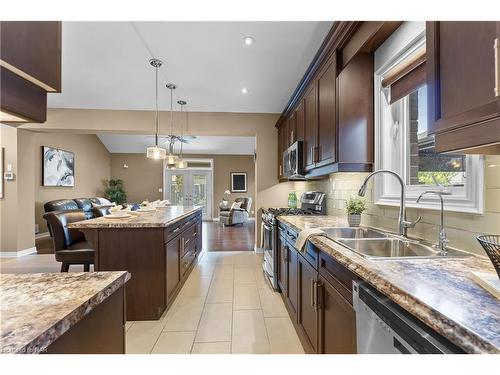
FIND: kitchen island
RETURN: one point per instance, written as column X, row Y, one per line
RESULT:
column 438, row 292
column 63, row 313
column 158, row 248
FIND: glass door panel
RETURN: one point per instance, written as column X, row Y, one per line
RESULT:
column 201, row 191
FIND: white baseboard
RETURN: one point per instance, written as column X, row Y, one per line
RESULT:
column 39, row 236
column 258, row 250
column 17, row 254
column 216, row 219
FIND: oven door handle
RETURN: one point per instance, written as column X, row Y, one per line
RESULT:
column 268, row 228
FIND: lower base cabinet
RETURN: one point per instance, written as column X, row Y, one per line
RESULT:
column 319, row 302
column 307, row 312
column 337, row 321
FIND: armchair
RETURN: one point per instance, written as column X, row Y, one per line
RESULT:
column 237, row 215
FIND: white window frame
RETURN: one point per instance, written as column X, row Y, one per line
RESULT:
column 386, row 190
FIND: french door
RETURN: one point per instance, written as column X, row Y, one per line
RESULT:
column 189, row 187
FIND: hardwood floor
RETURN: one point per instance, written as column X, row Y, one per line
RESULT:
column 217, row 237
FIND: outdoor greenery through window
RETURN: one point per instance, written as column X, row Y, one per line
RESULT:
column 426, row 166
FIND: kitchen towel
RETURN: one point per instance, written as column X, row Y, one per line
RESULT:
column 305, row 234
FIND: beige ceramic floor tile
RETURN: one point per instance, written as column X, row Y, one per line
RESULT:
column 244, row 275
column 185, row 315
column 203, row 270
column 211, row 348
column 260, row 279
column 215, row 324
column 246, row 297
column 221, row 291
column 272, row 304
column 174, row 343
column 196, row 287
column 282, row 336
column 142, row 336
column 249, row 334
column 223, row 272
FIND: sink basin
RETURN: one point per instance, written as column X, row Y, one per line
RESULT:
column 384, row 248
column 349, row 232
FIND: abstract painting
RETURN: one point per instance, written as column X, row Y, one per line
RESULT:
column 58, row 167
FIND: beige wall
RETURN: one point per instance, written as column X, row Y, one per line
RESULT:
column 144, row 177
column 92, row 168
column 261, row 125
column 461, row 228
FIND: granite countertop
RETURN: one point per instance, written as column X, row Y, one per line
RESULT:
column 162, row 217
column 36, row 309
column 439, row 292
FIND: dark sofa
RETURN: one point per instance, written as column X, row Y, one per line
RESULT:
column 84, row 204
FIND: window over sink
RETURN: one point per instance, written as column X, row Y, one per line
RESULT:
column 402, row 143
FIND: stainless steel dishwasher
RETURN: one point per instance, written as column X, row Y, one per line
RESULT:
column 382, row 327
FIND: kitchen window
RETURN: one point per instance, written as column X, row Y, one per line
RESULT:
column 402, row 143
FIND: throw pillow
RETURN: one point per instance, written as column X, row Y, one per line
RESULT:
column 104, row 201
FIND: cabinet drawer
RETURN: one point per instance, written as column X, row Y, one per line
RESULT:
column 187, row 260
column 188, row 239
column 173, row 230
column 337, row 275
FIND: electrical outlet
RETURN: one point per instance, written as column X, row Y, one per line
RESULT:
column 160, row 190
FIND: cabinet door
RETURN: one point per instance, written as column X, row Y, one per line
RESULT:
column 299, row 121
column 280, row 151
column 337, row 321
column 310, row 125
column 461, row 83
column 292, row 129
column 327, row 113
column 283, row 265
column 292, row 295
column 173, row 276
column 307, row 314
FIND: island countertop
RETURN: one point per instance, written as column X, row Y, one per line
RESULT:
column 439, row 292
column 162, row 217
column 36, row 309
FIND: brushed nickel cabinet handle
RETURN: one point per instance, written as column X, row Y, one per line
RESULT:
column 183, row 245
column 496, row 47
column 312, row 155
column 317, row 304
column 312, row 294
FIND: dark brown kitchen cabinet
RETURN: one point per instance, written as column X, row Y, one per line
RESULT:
column 292, row 129
column 307, row 313
column 282, row 265
column 292, row 290
column 173, row 248
column 310, row 126
column 463, row 80
column 281, row 148
column 299, row 121
column 355, row 118
column 327, row 114
column 30, row 56
column 337, row 321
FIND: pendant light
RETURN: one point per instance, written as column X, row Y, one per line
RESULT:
column 181, row 164
column 171, row 158
column 156, row 152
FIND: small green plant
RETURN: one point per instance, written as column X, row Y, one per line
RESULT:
column 114, row 191
column 356, row 205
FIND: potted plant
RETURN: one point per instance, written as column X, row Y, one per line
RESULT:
column 114, row 191
column 355, row 207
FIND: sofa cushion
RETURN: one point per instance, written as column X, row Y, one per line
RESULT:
column 84, row 204
column 60, row 205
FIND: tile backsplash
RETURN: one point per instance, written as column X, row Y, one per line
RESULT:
column 461, row 228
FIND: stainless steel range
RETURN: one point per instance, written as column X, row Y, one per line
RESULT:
column 311, row 203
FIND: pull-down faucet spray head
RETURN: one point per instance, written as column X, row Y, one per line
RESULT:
column 362, row 190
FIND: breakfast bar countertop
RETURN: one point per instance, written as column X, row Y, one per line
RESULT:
column 439, row 292
column 37, row 309
column 162, row 217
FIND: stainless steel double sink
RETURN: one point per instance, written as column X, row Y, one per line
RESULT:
column 375, row 244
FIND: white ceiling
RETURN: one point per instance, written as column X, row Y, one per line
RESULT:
column 105, row 64
column 116, row 143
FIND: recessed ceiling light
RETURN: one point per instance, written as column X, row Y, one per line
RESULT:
column 244, row 90
column 248, row 40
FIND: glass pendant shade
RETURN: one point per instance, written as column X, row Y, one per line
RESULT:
column 181, row 164
column 171, row 161
column 155, row 152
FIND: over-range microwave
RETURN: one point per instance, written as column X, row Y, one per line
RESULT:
column 293, row 162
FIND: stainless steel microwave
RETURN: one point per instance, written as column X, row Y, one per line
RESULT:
column 293, row 162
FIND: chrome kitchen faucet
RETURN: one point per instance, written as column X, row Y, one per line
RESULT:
column 443, row 241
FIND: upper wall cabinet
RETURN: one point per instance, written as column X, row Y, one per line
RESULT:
column 30, row 60
column 463, row 79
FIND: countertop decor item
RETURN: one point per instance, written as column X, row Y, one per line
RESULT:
column 487, row 281
column 292, row 199
column 224, row 202
column 355, row 207
column 491, row 244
